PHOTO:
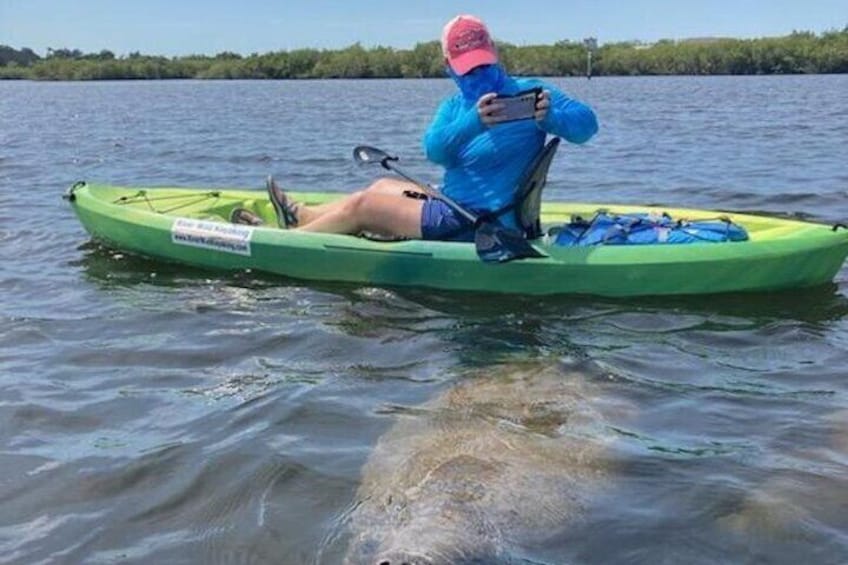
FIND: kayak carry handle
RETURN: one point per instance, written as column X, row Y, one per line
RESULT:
column 69, row 194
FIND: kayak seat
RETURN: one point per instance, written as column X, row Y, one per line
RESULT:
column 529, row 194
column 527, row 204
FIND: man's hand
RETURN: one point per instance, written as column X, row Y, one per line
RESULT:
column 543, row 103
column 488, row 109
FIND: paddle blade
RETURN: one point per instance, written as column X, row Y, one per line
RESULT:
column 367, row 155
column 497, row 244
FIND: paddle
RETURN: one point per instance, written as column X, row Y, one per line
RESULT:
column 494, row 243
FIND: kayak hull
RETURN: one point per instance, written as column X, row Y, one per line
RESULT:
column 190, row 226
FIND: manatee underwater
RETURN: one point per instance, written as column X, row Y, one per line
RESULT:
column 486, row 471
column 797, row 510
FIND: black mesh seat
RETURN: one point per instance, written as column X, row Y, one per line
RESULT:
column 528, row 200
column 527, row 204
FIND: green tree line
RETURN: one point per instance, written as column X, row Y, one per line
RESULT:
column 800, row 52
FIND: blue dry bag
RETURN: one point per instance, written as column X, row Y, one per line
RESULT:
column 606, row 228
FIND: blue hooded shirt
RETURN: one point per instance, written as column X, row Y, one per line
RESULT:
column 483, row 165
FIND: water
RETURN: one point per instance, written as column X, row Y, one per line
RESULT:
column 154, row 413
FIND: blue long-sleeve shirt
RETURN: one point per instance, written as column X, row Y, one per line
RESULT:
column 484, row 164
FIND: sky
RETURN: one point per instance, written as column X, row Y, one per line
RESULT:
column 181, row 27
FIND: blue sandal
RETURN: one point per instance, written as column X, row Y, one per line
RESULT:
column 286, row 216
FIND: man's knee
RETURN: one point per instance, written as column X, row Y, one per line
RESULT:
column 386, row 185
column 356, row 203
column 368, row 209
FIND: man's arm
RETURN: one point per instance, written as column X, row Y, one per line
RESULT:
column 452, row 127
column 568, row 118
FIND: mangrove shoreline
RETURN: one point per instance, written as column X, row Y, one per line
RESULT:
column 798, row 53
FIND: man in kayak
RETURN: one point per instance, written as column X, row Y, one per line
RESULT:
column 483, row 153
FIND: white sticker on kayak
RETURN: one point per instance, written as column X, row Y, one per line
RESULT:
column 229, row 238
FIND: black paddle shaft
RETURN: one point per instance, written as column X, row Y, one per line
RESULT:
column 431, row 190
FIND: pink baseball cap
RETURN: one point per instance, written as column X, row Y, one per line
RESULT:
column 466, row 44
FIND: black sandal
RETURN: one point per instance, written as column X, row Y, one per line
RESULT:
column 286, row 216
column 245, row 217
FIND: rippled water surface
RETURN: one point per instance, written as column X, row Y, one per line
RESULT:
column 151, row 413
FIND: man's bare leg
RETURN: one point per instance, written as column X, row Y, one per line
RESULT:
column 308, row 214
column 372, row 211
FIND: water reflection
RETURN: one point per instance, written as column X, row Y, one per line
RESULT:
column 824, row 303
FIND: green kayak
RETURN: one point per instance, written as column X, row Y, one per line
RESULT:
column 191, row 226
